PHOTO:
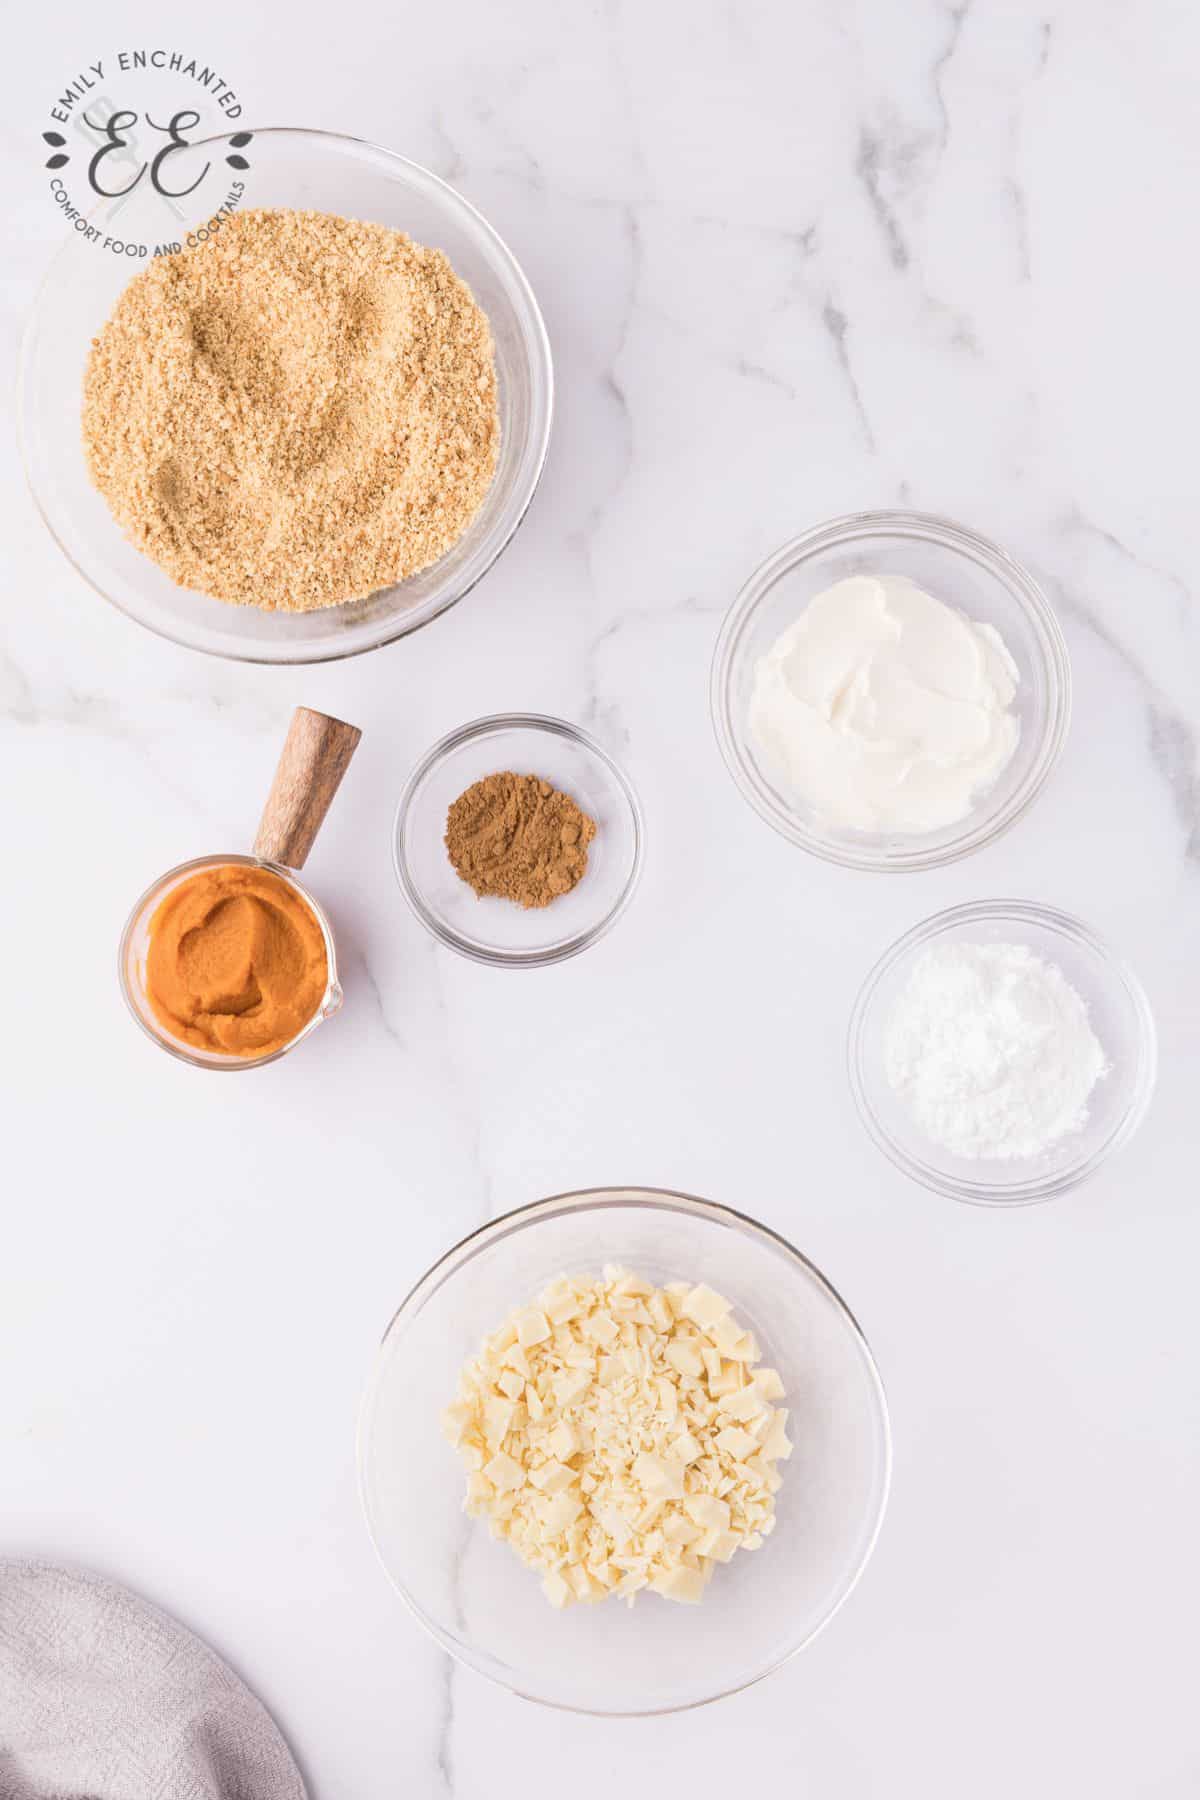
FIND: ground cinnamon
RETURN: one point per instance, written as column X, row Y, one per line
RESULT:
column 518, row 837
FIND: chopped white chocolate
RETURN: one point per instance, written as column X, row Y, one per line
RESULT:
column 601, row 1328
column 720, row 1545
column 504, row 1472
column 744, row 1406
column 533, row 1328
column 658, row 1478
column 684, row 1357
column 620, row 1437
column 704, row 1308
column 733, row 1342
column 728, row 1381
column 679, row 1582
column 561, row 1440
column 455, row 1420
column 706, row 1509
column 556, row 1589
column 552, row 1477
column 510, row 1383
column 736, row 1442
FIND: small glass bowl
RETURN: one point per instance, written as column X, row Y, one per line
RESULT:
column 326, row 172
column 1120, row 1016
column 473, row 1594
column 497, row 931
column 954, row 565
column 135, row 942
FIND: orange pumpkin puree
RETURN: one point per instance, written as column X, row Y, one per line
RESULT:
column 236, row 963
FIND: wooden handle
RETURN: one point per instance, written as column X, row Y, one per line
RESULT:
column 315, row 756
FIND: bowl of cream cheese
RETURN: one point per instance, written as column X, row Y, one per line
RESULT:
column 890, row 691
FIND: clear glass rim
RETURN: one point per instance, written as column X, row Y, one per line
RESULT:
column 1015, row 1193
column 945, row 534
column 330, row 1001
column 402, row 626
column 433, row 922
column 600, row 1200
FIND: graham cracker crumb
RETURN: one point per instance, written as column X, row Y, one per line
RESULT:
column 298, row 412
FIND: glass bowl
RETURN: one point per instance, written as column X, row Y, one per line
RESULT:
column 474, row 1595
column 1120, row 1016
column 497, row 931
column 327, row 173
column 953, row 564
column 135, row 942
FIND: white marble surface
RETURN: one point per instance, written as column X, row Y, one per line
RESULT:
column 794, row 260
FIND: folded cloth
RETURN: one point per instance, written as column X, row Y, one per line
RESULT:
column 103, row 1697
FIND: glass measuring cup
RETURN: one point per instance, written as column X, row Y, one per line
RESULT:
column 315, row 756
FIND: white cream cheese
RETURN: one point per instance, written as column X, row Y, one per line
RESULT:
column 886, row 710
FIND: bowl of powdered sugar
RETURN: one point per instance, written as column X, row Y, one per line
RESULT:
column 1000, row 1052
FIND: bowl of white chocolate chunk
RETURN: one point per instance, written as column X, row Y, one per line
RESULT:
column 605, row 1410
column 890, row 691
column 621, row 1437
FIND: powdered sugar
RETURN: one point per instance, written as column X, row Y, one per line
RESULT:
column 992, row 1051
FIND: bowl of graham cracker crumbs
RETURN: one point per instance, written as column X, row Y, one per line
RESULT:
column 518, row 840
column 311, row 424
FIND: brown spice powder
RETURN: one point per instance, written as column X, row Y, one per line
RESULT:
column 517, row 837
column 298, row 412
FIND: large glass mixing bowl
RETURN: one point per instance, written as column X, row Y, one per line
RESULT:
column 326, row 173
column 474, row 1595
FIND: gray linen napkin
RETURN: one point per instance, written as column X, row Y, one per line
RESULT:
column 103, row 1697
